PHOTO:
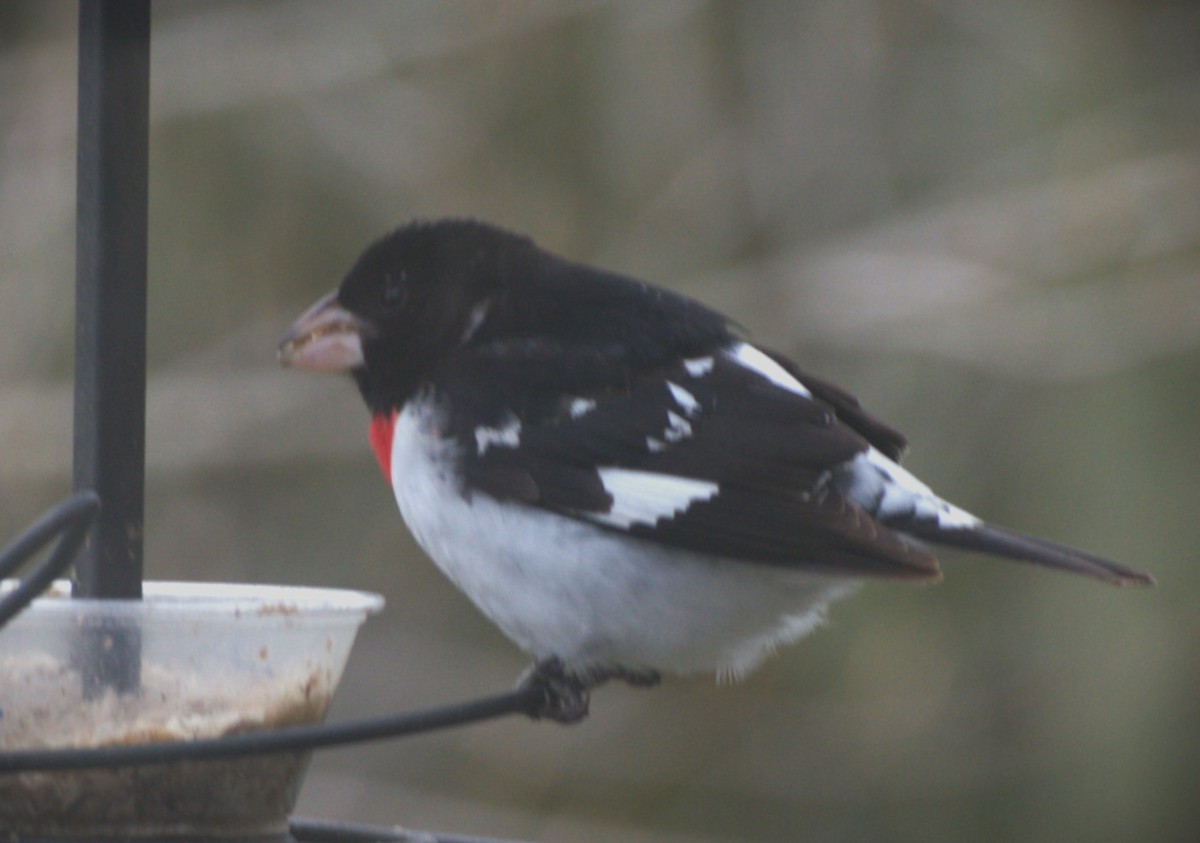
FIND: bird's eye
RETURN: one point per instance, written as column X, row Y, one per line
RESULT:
column 394, row 291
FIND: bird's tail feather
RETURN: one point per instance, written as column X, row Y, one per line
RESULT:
column 1000, row 541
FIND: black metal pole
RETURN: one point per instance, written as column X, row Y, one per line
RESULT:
column 110, row 300
column 110, row 288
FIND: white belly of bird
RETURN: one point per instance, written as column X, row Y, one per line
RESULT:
column 591, row 596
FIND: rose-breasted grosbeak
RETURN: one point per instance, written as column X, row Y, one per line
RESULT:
column 613, row 475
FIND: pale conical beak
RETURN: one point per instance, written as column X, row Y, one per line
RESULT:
column 326, row 338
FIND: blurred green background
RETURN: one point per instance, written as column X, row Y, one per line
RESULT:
column 983, row 218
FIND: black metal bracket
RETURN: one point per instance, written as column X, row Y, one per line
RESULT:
column 69, row 519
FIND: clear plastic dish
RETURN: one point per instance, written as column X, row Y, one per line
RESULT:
column 202, row 660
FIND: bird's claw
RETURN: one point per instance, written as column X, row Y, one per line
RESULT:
column 563, row 695
column 636, row 678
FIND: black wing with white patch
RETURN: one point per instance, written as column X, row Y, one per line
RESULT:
column 721, row 452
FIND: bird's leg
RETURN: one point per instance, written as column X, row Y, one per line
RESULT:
column 565, row 694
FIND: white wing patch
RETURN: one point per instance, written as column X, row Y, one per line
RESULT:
column 580, row 407
column 698, row 367
column 508, row 436
column 645, row 497
column 750, row 358
column 678, row 428
column 686, row 401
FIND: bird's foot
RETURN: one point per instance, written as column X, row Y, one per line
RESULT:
column 637, row 677
column 564, row 694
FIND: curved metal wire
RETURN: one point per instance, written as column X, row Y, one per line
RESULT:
column 70, row 518
column 528, row 699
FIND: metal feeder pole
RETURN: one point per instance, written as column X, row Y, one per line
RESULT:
column 110, row 329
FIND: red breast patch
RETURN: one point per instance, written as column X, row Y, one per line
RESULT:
column 382, row 428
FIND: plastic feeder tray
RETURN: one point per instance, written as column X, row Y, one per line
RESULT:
column 215, row 660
